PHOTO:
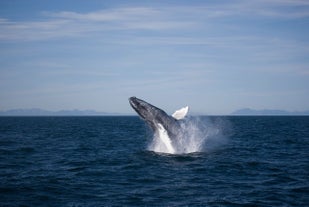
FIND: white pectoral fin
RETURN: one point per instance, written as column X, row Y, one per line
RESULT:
column 165, row 139
column 181, row 113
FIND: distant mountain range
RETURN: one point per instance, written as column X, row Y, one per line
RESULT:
column 248, row 111
column 41, row 112
column 76, row 112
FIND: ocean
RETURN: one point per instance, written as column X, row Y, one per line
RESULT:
column 113, row 161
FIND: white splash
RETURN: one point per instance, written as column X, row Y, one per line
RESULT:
column 197, row 135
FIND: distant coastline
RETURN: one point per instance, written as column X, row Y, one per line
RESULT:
column 76, row 112
column 268, row 112
column 42, row 112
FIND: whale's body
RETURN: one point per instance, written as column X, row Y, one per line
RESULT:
column 159, row 121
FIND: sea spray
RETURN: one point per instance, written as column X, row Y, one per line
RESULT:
column 198, row 134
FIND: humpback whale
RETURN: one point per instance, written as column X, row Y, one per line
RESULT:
column 166, row 126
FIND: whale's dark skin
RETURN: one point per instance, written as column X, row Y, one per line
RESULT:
column 154, row 116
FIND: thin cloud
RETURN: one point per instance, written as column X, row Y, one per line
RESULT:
column 284, row 9
column 130, row 13
column 69, row 24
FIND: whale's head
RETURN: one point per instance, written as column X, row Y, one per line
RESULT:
column 153, row 115
column 145, row 110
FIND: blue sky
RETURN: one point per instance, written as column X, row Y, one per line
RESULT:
column 215, row 56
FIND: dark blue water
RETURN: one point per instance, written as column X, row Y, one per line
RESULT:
column 104, row 161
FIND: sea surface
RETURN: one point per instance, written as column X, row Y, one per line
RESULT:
column 109, row 161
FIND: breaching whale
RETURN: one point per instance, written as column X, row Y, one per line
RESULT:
column 159, row 121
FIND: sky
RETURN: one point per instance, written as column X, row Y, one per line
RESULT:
column 214, row 56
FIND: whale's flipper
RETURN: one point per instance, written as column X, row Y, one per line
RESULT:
column 163, row 135
column 181, row 113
